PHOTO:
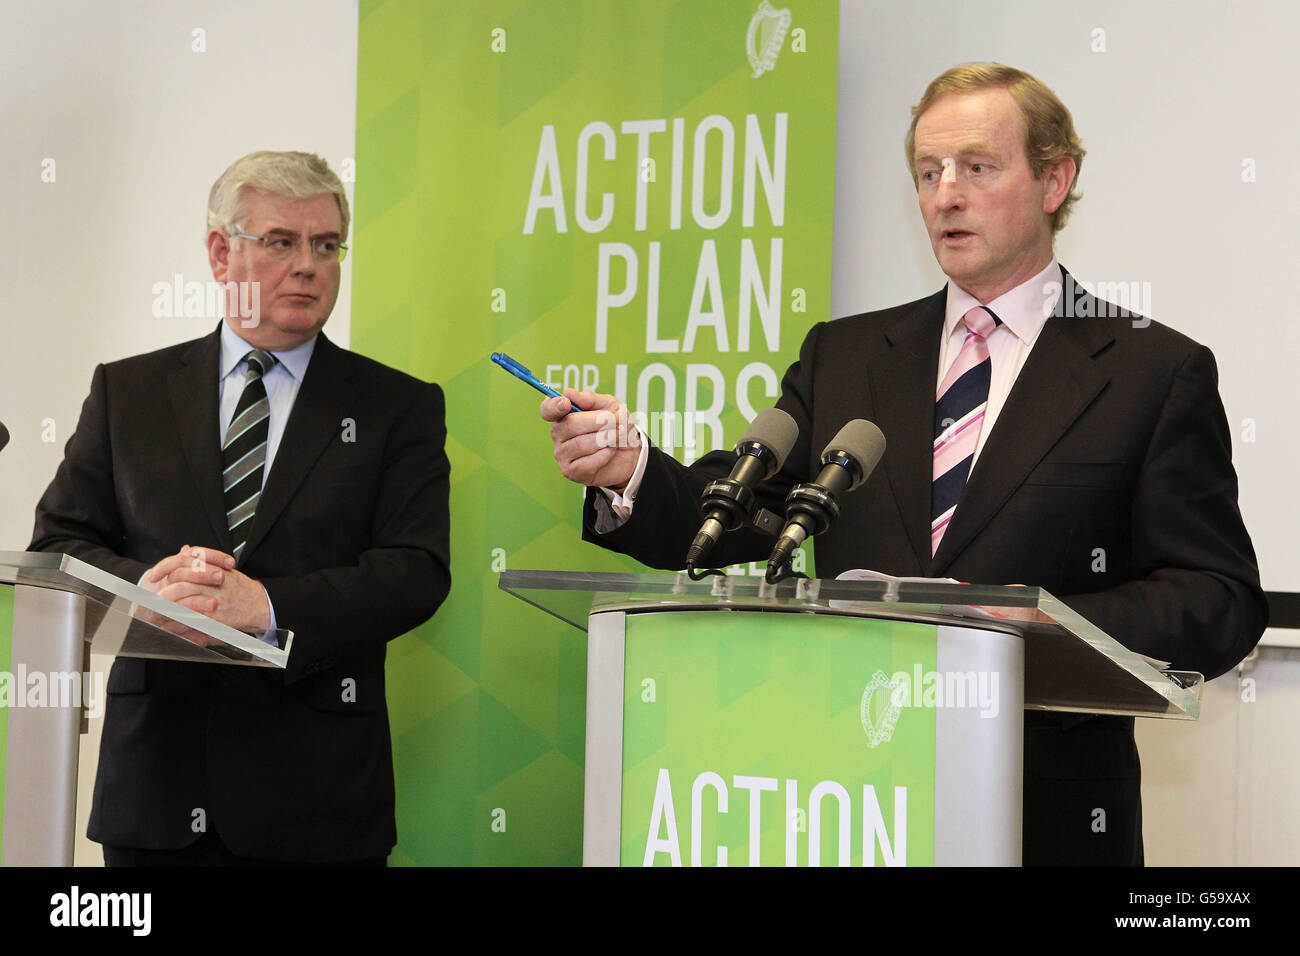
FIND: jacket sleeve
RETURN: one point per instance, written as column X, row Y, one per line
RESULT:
column 78, row 514
column 1195, row 598
column 666, row 514
column 402, row 577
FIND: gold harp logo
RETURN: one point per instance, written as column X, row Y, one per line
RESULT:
column 766, row 36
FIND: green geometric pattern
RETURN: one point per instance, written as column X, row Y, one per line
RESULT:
column 776, row 696
column 488, row 699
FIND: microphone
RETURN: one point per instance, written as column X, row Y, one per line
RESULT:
column 810, row 508
column 726, row 502
column 4, row 436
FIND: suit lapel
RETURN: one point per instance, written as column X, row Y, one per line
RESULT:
column 1058, row 381
column 902, row 385
column 193, row 389
column 325, row 398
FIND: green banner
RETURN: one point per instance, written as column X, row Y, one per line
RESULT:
column 633, row 198
column 776, row 727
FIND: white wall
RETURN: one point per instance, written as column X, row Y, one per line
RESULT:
column 1223, row 791
column 139, row 125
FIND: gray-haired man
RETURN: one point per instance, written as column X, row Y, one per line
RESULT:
column 312, row 483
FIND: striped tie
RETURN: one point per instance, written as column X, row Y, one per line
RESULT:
column 244, row 454
column 958, row 414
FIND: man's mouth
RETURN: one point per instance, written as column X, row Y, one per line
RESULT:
column 956, row 234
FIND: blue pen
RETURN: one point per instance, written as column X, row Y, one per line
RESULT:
column 521, row 373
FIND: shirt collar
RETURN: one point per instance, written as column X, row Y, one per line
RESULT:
column 1023, row 310
column 233, row 350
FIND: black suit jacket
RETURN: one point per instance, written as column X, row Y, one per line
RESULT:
column 1112, row 445
column 350, row 540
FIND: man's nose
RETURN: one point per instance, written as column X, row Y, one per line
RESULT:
column 304, row 261
column 949, row 193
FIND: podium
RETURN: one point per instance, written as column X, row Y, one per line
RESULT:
column 54, row 610
column 821, row 722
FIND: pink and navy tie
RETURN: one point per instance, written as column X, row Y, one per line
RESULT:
column 958, row 414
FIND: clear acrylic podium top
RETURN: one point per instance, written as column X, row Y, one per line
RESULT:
column 1070, row 664
column 125, row 620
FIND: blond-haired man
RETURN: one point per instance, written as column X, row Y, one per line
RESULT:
column 1031, row 428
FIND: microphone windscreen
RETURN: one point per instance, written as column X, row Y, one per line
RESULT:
column 4, row 436
column 863, row 441
column 774, row 429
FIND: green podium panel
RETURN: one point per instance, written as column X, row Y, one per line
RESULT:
column 774, row 739
column 737, row 737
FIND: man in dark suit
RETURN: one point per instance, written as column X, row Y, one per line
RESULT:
column 266, row 478
column 1091, row 456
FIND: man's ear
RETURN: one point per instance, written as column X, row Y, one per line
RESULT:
column 1057, row 178
column 219, row 254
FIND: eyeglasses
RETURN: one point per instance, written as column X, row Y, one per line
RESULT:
column 286, row 246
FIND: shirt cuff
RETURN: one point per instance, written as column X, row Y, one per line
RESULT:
column 613, row 508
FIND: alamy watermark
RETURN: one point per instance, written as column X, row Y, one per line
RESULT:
column 668, row 430
column 133, row 911
column 886, row 696
column 208, row 300
column 1122, row 299
column 23, row 688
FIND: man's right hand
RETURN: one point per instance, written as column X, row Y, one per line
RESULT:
column 598, row 446
column 179, row 578
column 176, row 576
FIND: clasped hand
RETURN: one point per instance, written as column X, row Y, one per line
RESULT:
column 205, row 580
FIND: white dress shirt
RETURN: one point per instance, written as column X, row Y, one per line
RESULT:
column 1023, row 311
column 282, row 382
